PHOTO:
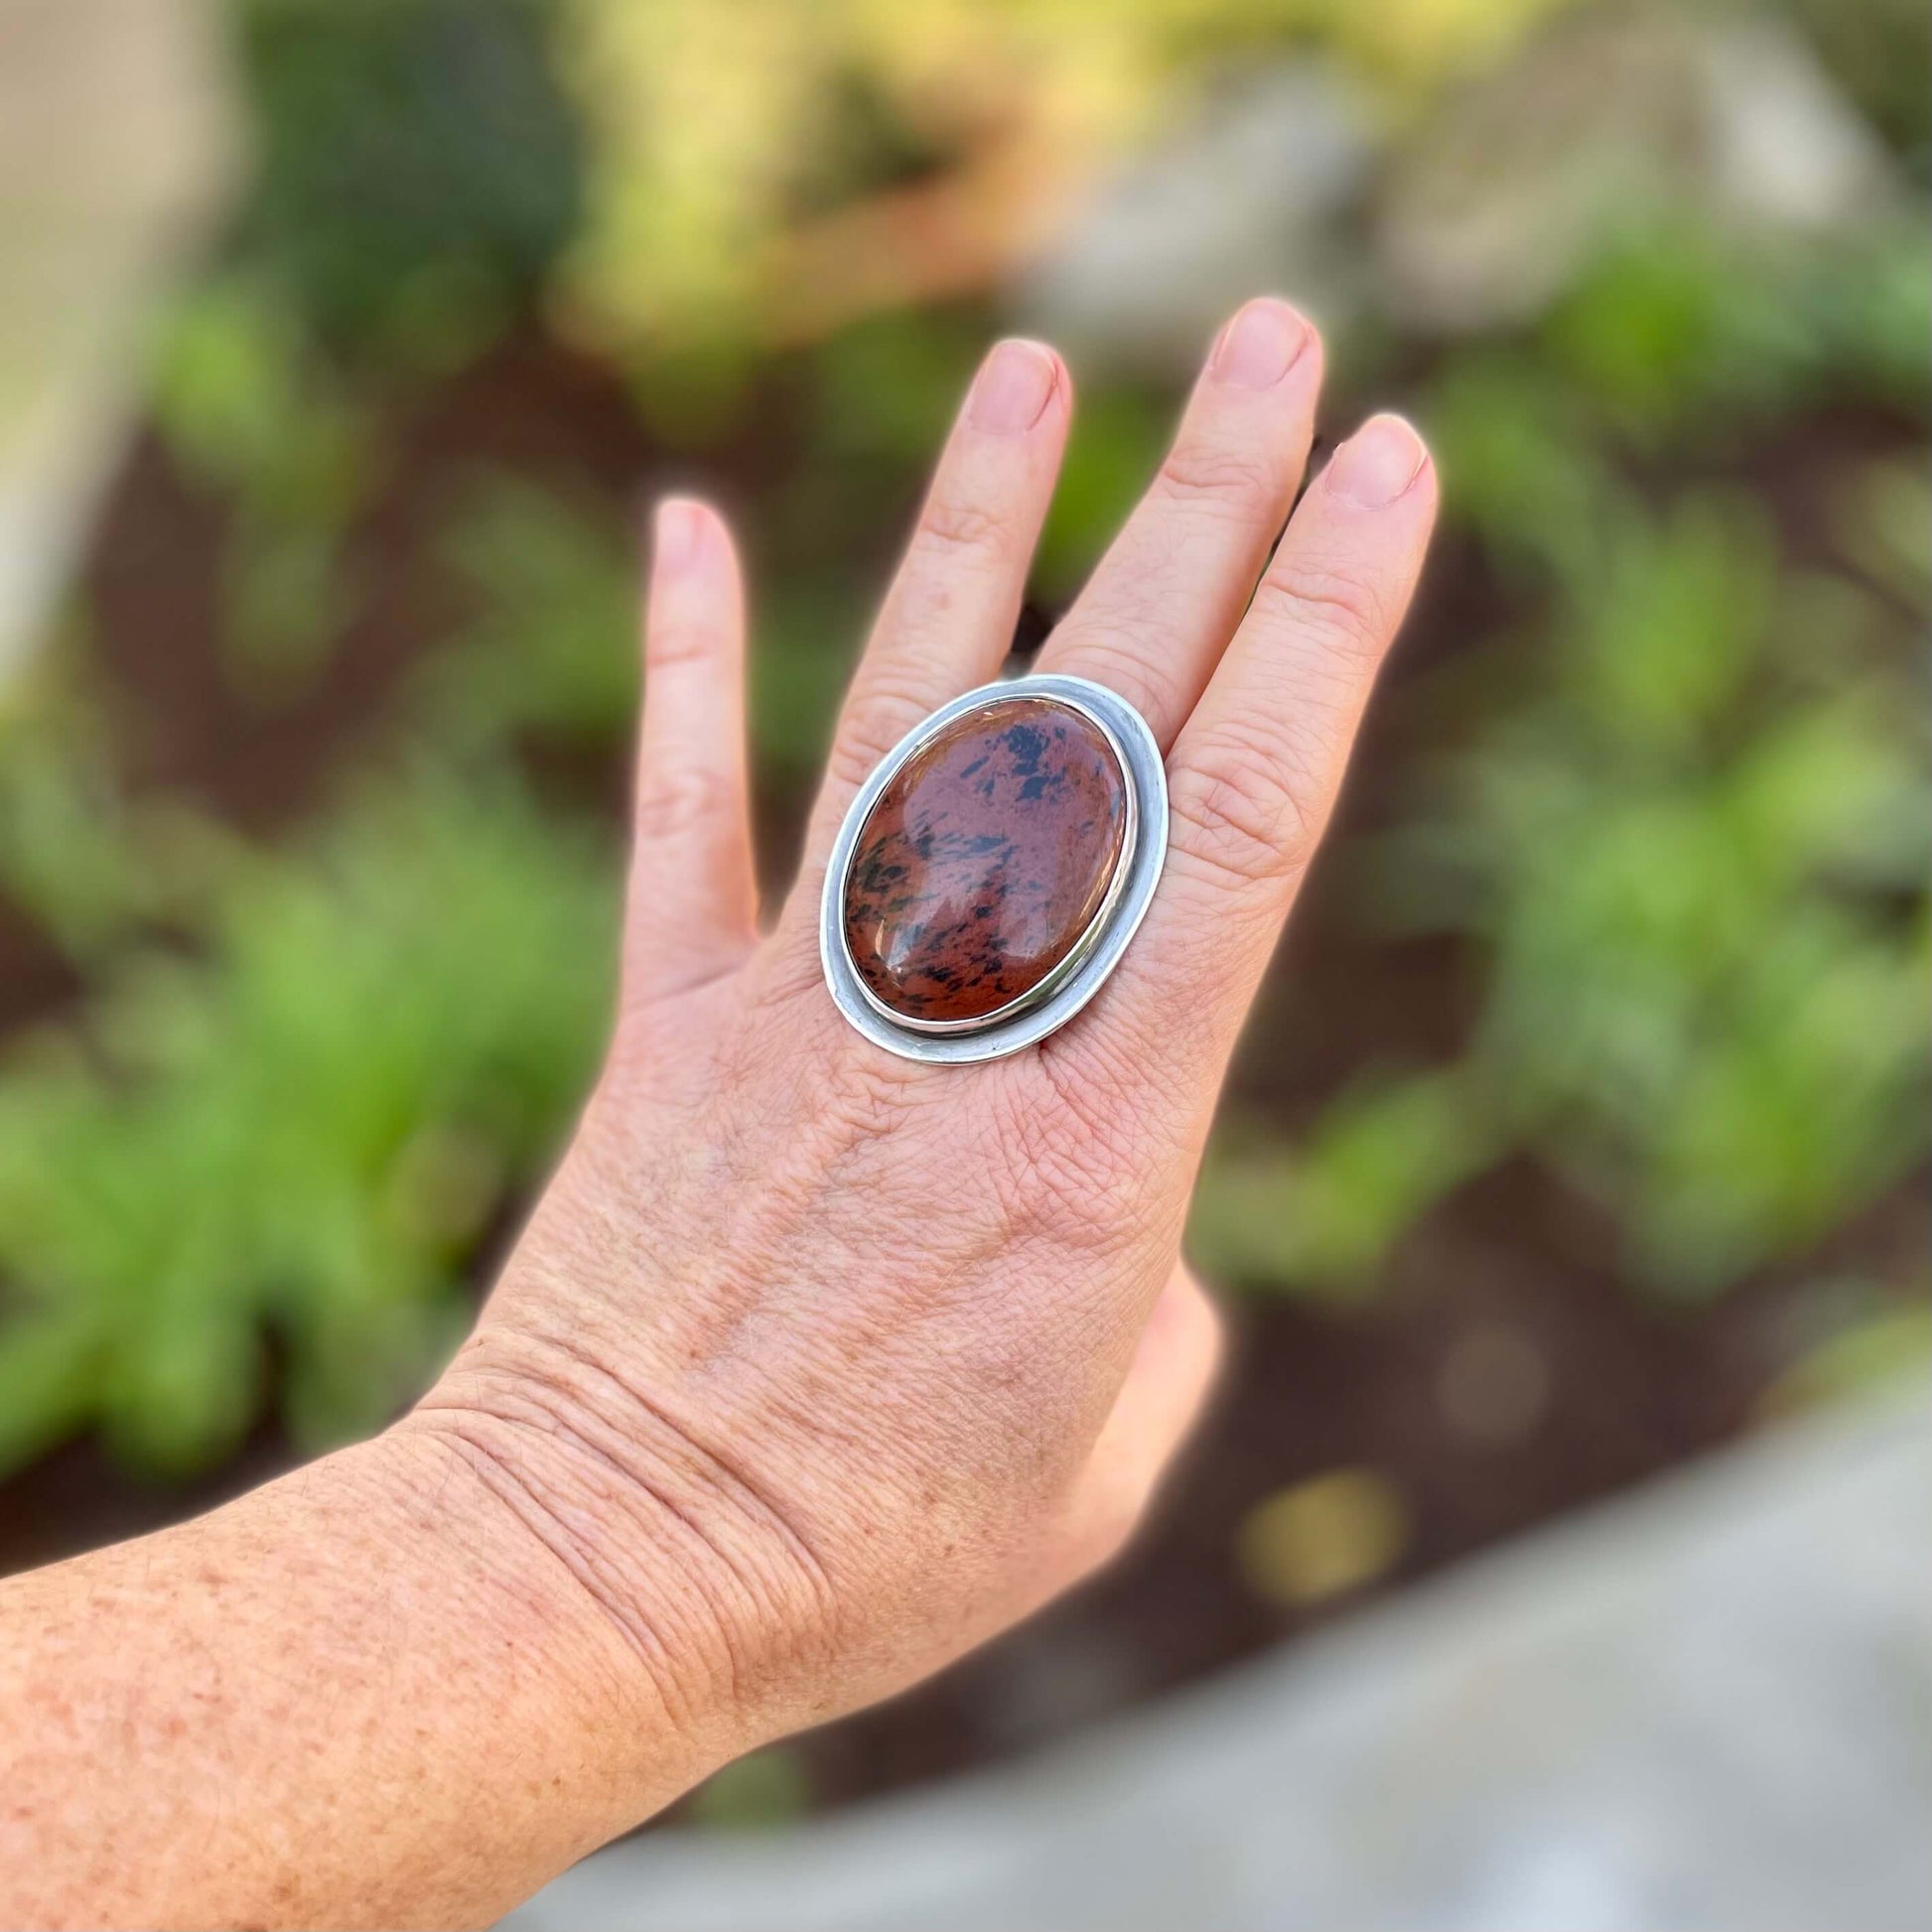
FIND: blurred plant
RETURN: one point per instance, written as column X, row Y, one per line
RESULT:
column 253, row 415
column 770, row 171
column 73, row 858
column 295, row 1134
column 548, row 653
column 1323, row 1537
column 710, row 122
column 417, row 173
column 1319, row 1215
column 767, row 1789
column 1687, row 828
column 693, row 181
column 549, row 647
column 1878, row 1346
column 418, row 168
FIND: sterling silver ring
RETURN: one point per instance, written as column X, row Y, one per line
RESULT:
column 990, row 871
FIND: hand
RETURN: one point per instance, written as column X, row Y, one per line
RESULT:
column 815, row 1368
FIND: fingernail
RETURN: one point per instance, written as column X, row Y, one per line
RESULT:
column 1378, row 463
column 1260, row 345
column 1012, row 388
column 675, row 538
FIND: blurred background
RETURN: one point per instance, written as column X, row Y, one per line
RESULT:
column 1583, row 1126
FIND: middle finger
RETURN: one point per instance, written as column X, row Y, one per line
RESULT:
column 1157, row 614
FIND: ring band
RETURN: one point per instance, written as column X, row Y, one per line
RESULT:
column 990, row 873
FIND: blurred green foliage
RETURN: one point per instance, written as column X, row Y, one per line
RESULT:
column 298, row 1132
column 252, row 413
column 1668, row 810
column 757, row 1793
column 73, row 857
column 419, row 166
column 1685, row 824
column 549, row 645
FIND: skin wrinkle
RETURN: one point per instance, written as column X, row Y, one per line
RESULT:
column 679, row 799
column 829, row 1190
column 885, row 1332
column 715, row 1466
column 722, row 1619
column 1080, row 1159
column 806, row 1417
column 1215, row 486
column 1236, row 837
column 836, row 1189
column 508, row 1481
column 807, row 1204
column 813, row 1367
column 1322, row 596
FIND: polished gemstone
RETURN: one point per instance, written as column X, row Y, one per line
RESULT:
column 986, row 860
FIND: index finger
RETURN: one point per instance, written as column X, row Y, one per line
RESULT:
column 948, row 618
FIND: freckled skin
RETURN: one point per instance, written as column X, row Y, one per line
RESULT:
column 985, row 860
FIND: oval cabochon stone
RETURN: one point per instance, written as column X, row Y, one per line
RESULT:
column 986, row 859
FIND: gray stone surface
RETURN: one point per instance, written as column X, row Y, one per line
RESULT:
column 1709, row 1705
column 1252, row 194
column 1491, row 210
column 116, row 145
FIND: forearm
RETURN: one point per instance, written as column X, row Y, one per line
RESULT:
column 362, row 1694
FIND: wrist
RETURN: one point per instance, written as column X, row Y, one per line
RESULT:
column 348, row 1697
column 588, row 1727
column 680, row 1586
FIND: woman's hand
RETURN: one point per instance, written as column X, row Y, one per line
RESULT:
column 815, row 1366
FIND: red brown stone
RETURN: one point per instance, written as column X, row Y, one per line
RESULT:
column 985, row 860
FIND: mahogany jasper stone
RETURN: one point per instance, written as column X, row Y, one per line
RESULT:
column 985, row 860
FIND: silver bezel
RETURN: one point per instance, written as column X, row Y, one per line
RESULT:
column 1046, row 1008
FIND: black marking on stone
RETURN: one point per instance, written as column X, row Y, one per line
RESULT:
column 1027, row 746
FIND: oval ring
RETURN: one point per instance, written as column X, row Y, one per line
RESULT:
column 1060, row 993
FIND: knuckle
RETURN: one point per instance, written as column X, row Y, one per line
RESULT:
column 1336, row 605
column 852, row 760
column 1072, row 1159
column 787, row 986
column 675, row 799
column 877, row 717
column 955, row 527
column 1113, row 658
column 862, row 1101
column 1244, row 812
column 673, row 642
column 1218, row 476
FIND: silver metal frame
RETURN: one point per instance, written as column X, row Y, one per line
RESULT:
column 1046, row 1008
